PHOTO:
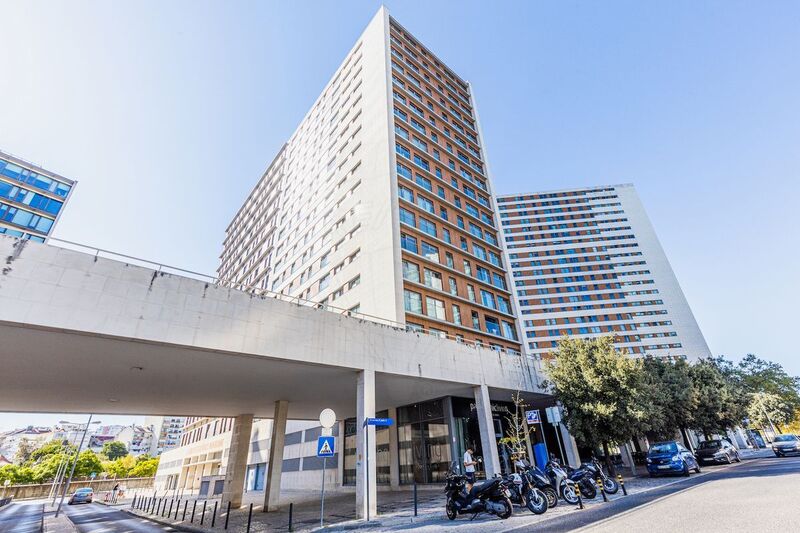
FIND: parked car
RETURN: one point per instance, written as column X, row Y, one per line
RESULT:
column 82, row 495
column 785, row 445
column 670, row 457
column 717, row 451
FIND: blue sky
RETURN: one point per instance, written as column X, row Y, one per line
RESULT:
column 168, row 112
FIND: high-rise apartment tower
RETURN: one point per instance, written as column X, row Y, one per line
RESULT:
column 587, row 262
column 381, row 201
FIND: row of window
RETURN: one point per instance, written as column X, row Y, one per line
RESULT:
column 20, row 234
column 30, row 198
column 22, row 174
column 25, row 219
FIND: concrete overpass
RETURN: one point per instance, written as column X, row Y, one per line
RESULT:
column 84, row 333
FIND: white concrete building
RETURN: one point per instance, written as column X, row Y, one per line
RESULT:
column 167, row 431
column 587, row 262
column 34, row 436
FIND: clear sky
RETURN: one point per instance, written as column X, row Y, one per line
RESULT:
column 168, row 112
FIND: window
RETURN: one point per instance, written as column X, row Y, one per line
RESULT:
column 407, row 217
column 404, row 171
column 467, row 268
column 427, row 226
column 430, row 252
column 503, row 305
column 475, row 230
column 433, row 279
column 498, row 281
column 443, row 213
column 482, row 274
column 425, row 204
column 407, row 242
column 424, row 164
column 471, row 293
column 448, row 258
column 412, row 301
column 487, row 299
column 453, row 286
column 324, row 281
column 476, row 321
column 434, row 308
column 492, row 325
column 479, row 251
column 456, row 314
column 401, row 132
column 424, row 182
column 446, row 238
column 406, row 194
column 410, row 271
column 402, row 150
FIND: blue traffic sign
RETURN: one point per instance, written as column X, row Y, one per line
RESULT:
column 378, row 422
column 532, row 417
column 326, row 446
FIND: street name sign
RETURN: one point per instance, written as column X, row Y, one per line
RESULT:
column 378, row 422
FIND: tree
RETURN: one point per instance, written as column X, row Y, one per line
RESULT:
column 87, row 463
column 517, row 431
column 120, row 467
column 719, row 397
column 114, row 450
column 669, row 386
column 767, row 409
column 16, row 474
column 145, row 468
column 601, row 390
column 24, row 451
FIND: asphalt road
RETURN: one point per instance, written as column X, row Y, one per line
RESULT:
column 25, row 517
column 760, row 495
column 96, row 518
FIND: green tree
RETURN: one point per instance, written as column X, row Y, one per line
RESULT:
column 769, row 386
column 24, row 451
column 51, row 448
column 120, row 467
column 720, row 400
column 114, row 450
column 669, row 386
column 766, row 409
column 16, row 474
column 601, row 390
column 88, row 462
column 145, row 468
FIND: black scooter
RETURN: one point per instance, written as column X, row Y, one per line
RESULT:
column 538, row 479
column 594, row 467
column 489, row 496
column 585, row 480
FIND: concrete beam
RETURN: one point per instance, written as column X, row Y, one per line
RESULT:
column 272, row 495
column 236, row 468
column 491, row 459
column 366, row 471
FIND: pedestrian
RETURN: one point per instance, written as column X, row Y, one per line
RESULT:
column 469, row 468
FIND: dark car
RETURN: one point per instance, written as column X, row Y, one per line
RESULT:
column 83, row 495
column 670, row 457
column 717, row 451
column 785, row 445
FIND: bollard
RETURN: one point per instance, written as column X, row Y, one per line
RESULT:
column 203, row 514
column 133, row 503
column 194, row 508
column 177, row 508
column 171, row 502
column 228, row 514
column 622, row 484
column 580, row 498
column 185, row 506
column 291, row 506
column 415, row 497
column 249, row 517
column 601, row 489
column 214, row 516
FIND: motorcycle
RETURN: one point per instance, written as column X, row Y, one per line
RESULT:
column 489, row 496
column 561, row 482
column 594, row 467
column 524, row 494
column 583, row 477
column 539, row 480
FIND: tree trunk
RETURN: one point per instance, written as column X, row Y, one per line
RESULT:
column 609, row 466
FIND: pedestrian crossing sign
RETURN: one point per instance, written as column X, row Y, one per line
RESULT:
column 325, row 447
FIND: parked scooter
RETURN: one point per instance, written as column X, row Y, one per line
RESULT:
column 583, row 477
column 539, row 480
column 594, row 467
column 561, row 482
column 524, row 494
column 489, row 496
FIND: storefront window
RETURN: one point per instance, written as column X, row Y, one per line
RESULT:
column 424, row 442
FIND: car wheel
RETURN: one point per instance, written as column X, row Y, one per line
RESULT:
column 728, row 459
column 697, row 468
column 685, row 469
column 738, row 458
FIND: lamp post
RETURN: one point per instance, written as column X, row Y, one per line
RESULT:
column 62, row 466
column 74, row 462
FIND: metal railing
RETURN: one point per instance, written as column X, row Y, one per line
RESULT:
column 258, row 291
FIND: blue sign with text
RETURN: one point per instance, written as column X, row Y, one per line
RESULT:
column 326, row 446
column 532, row 417
column 378, row 422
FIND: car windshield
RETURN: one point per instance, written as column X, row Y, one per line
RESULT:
column 83, row 491
column 785, row 438
column 709, row 444
column 664, row 447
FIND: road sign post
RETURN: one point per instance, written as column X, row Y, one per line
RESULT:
column 554, row 417
column 326, row 447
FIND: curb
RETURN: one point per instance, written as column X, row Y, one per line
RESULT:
column 177, row 527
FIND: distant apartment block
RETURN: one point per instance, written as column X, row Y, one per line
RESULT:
column 381, row 201
column 587, row 262
column 31, row 198
column 167, row 431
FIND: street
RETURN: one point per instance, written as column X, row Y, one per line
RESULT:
column 93, row 518
column 21, row 517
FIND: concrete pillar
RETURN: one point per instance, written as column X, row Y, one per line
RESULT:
column 366, row 486
column 628, row 454
column 340, row 446
column 394, row 452
column 272, row 494
column 491, row 459
column 570, row 447
column 236, row 468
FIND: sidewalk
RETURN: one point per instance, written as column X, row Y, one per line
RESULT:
column 62, row 524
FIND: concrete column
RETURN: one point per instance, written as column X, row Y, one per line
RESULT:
column 275, row 467
column 340, row 445
column 491, row 458
column 366, row 486
column 236, row 468
column 394, row 452
column 570, row 447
